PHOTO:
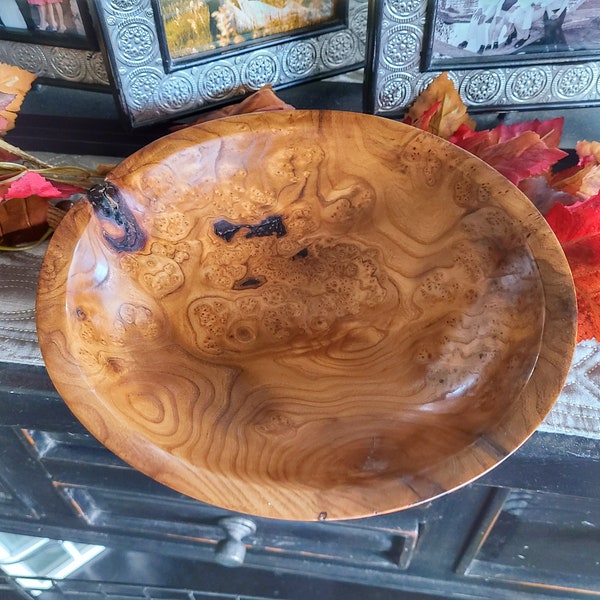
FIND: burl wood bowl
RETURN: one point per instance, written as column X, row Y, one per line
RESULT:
column 307, row 315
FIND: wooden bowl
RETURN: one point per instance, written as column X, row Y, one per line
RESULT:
column 307, row 315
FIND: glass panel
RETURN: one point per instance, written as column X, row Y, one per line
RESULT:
column 30, row 559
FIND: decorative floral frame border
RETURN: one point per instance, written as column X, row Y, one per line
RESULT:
column 148, row 92
column 61, row 66
column 394, row 76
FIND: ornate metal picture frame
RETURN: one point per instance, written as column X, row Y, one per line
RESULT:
column 550, row 60
column 61, row 23
column 54, row 40
column 158, row 79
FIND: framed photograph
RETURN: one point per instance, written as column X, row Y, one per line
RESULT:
column 63, row 23
column 55, row 40
column 169, row 58
column 501, row 54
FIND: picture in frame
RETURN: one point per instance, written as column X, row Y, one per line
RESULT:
column 500, row 54
column 61, row 23
column 170, row 58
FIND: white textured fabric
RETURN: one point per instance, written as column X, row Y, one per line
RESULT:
column 577, row 410
column 18, row 283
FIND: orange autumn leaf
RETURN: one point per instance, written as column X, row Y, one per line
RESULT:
column 588, row 149
column 14, row 83
column 263, row 100
column 439, row 109
column 582, row 180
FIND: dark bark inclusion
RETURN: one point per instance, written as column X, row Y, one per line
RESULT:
column 272, row 225
column 109, row 205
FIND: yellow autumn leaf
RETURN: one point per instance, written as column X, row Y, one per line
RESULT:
column 15, row 82
column 451, row 112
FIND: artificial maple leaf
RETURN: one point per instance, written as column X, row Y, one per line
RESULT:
column 577, row 228
column 5, row 100
column 587, row 149
column 550, row 130
column 543, row 195
column 583, row 179
column 517, row 157
column 263, row 100
column 14, row 82
column 30, row 184
column 450, row 112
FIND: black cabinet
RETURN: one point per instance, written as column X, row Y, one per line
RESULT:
column 538, row 538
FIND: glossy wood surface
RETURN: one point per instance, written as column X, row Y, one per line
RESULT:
column 307, row 314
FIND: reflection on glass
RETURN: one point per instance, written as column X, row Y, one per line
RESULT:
column 195, row 26
column 35, row 562
column 10, row 15
column 470, row 29
column 54, row 16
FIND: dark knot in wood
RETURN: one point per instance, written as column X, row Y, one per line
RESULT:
column 109, row 206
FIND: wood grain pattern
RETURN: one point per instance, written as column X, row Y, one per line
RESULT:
column 319, row 314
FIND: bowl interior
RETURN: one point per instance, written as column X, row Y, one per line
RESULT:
column 326, row 313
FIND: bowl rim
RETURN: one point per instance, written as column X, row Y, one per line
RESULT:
column 558, row 339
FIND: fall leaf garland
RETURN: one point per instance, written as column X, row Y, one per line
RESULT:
column 24, row 179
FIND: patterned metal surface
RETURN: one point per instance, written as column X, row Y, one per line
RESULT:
column 150, row 91
column 53, row 62
column 396, row 75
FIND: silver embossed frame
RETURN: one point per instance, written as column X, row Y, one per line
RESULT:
column 151, row 88
column 396, row 69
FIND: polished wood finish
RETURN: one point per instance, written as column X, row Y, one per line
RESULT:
column 307, row 314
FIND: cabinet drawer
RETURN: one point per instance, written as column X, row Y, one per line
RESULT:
column 388, row 547
column 538, row 538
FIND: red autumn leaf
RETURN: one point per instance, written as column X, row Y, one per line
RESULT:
column 543, row 195
column 424, row 120
column 577, row 228
column 549, row 130
column 517, row 157
column 518, row 151
column 30, row 184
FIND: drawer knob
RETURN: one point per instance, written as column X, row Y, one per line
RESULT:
column 231, row 551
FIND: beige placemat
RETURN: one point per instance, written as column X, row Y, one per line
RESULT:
column 18, row 283
column 577, row 410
